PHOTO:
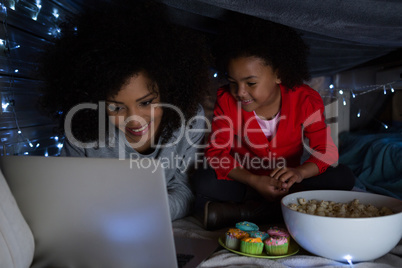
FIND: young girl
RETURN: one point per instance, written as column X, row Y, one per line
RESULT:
column 260, row 121
column 125, row 83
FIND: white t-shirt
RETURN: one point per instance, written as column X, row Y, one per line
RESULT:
column 268, row 126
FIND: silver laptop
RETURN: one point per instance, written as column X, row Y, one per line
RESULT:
column 92, row 212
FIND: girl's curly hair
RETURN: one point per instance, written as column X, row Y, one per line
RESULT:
column 279, row 46
column 103, row 47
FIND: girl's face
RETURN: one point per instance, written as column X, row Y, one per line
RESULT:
column 135, row 111
column 254, row 84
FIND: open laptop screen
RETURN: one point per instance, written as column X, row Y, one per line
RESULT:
column 91, row 212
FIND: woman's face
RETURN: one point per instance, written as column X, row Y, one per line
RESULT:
column 135, row 111
column 253, row 83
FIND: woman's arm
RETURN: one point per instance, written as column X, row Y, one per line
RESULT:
column 71, row 150
column 180, row 195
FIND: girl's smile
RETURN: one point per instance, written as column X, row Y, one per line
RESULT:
column 246, row 102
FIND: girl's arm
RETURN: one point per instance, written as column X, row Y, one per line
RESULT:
column 218, row 155
column 323, row 151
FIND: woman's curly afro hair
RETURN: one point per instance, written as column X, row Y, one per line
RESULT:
column 279, row 46
column 103, row 47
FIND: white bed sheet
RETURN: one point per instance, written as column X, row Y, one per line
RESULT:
column 191, row 227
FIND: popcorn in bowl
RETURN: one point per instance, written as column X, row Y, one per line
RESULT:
column 352, row 209
column 368, row 238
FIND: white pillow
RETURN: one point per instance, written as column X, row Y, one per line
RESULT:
column 16, row 239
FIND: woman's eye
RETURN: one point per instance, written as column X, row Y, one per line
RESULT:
column 146, row 103
column 250, row 84
column 114, row 108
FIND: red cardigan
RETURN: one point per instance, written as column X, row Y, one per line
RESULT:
column 237, row 139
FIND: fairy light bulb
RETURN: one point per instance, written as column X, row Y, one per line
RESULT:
column 55, row 13
column 344, row 101
column 392, row 89
column 358, row 113
column 340, row 92
column 385, row 90
column 349, row 260
column 384, row 125
column 3, row 8
column 5, row 105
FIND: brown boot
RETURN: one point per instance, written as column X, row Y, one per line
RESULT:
column 219, row 215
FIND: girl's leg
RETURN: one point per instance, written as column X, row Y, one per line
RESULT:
column 222, row 203
column 334, row 178
column 208, row 187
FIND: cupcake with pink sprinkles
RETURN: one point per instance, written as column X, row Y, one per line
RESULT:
column 276, row 245
column 277, row 231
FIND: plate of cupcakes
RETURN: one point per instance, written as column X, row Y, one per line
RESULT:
column 247, row 239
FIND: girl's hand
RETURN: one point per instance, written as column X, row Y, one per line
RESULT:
column 270, row 188
column 288, row 176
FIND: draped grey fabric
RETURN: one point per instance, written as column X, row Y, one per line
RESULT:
column 340, row 33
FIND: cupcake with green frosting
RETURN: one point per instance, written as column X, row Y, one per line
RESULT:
column 251, row 245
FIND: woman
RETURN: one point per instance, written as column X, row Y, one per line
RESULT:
column 124, row 82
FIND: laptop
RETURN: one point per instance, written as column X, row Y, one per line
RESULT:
column 98, row 212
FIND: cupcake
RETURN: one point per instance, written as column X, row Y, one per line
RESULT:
column 251, row 245
column 260, row 234
column 247, row 226
column 276, row 245
column 276, row 231
column 233, row 237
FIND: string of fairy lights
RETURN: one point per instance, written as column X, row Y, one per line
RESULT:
column 33, row 9
column 348, row 95
column 24, row 144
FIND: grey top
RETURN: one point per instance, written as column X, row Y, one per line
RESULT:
column 177, row 158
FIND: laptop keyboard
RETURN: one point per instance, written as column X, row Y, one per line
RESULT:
column 183, row 259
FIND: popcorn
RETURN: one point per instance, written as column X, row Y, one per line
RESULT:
column 353, row 209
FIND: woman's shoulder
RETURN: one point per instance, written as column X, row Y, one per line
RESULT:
column 198, row 120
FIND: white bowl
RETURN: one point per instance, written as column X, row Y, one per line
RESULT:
column 345, row 239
